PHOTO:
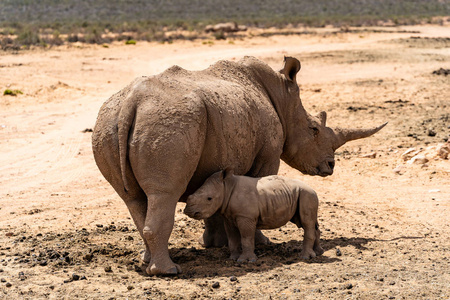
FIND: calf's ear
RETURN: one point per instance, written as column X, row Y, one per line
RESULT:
column 291, row 67
column 322, row 117
column 228, row 172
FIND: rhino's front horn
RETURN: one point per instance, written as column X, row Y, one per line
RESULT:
column 345, row 135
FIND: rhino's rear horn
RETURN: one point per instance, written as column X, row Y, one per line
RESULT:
column 345, row 135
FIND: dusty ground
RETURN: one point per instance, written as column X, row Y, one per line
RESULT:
column 65, row 234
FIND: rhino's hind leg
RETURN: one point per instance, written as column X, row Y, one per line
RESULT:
column 158, row 227
column 138, row 207
column 308, row 205
column 317, row 248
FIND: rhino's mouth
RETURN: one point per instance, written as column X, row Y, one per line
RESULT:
column 326, row 168
column 193, row 214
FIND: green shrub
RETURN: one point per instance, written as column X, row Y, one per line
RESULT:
column 12, row 92
column 130, row 42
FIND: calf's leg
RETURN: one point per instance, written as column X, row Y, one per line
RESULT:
column 247, row 228
column 308, row 206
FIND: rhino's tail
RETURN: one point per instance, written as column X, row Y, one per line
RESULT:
column 126, row 119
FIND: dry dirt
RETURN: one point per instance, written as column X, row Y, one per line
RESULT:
column 65, row 234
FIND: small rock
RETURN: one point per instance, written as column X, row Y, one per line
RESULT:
column 392, row 283
column 349, row 286
column 409, row 153
column 43, row 263
column 434, row 191
column 338, row 252
column 68, row 280
column 75, row 277
column 9, row 234
column 130, row 287
column 431, row 132
column 3, row 280
column 233, row 278
column 370, row 155
column 83, row 278
column 215, row 285
column 296, row 290
column 8, row 284
column 108, row 269
column 418, row 159
column 399, row 170
column 88, row 257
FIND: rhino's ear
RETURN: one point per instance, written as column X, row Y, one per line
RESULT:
column 291, row 67
column 322, row 116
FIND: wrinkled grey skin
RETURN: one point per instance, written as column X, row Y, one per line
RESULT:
column 248, row 203
column 159, row 138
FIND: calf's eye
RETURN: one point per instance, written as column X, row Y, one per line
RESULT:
column 209, row 198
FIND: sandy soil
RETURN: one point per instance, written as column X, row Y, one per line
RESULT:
column 65, row 234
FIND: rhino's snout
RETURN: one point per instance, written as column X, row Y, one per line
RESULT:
column 192, row 213
column 326, row 168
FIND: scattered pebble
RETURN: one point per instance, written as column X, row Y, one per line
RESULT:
column 75, row 277
column 349, row 286
column 370, row 155
column 108, row 269
column 8, row 284
column 130, row 287
column 338, row 252
column 233, row 278
column 399, row 170
column 431, row 132
column 215, row 285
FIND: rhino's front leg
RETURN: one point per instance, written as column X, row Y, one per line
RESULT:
column 214, row 234
column 158, row 227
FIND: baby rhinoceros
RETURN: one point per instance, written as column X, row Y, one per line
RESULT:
column 249, row 203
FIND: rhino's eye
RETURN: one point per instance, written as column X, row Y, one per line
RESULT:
column 315, row 131
column 209, row 198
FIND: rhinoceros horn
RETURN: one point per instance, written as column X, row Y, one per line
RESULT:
column 345, row 135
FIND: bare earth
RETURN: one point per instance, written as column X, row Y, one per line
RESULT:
column 64, row 232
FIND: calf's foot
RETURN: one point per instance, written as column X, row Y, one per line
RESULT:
column 318, row 250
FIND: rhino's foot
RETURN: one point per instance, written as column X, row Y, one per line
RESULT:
column 145, row 256
column 307, row 254
column 318, row 250
column 247, row 257
column 163, row 269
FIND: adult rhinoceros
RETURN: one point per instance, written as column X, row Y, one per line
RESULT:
column 159, row 138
